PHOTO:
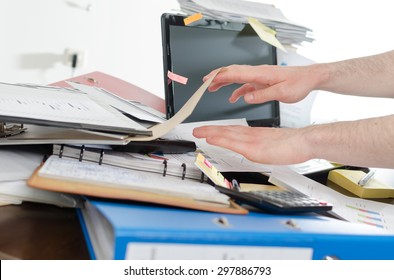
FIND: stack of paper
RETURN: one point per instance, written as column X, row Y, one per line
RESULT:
column 18, row 163
column 288, row 32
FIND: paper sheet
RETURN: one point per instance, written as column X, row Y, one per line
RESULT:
column 355, row 210
column 229, row 161
column 103, row 96
column 297, row 114
column 161, row 129
column 17, row 191
column 122, row 178
column 18, row 163
column 59, row 106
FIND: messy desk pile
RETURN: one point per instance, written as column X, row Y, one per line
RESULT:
column 94, row 167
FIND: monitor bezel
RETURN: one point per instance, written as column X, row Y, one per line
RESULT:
column 167, row 20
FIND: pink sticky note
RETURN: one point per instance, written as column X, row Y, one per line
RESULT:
column 176, row 78
column 207, row 163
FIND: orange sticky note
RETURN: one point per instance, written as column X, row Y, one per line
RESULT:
column 176, row 78
column 192, row 18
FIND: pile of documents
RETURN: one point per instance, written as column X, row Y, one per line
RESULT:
column 287, row 32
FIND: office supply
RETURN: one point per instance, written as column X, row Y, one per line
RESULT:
column 161, row 233
column 265, row 33
column 229, row 161
column 87, row 178
column 370, row 188
column 288, row 32
column 172, row 164
column 132, row 109
column 277, row 201
column 119, row 87
column 364, row 180
column 352, row 209
column 61, row 107
column 163, row 146
column 192, row 18
column 196, row 49
column 37, row 134
column 106, row 121
column 10, row 129
column 17, row 164
column 18, row 191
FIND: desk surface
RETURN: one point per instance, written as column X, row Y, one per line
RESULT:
column 38, row 231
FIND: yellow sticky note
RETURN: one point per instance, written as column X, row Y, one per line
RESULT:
column 192, row 18
column 265, row 33
column 348, row 179
column 211, row 172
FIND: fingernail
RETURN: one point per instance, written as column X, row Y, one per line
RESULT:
column 249, row 97
column 233, row 100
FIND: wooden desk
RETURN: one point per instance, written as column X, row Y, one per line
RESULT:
column 37, row 231
column 41, row 232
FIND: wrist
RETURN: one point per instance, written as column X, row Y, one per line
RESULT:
column 321, row 75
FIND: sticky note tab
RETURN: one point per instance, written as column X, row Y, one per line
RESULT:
column 192, row 18
column 177, row 78
column 265, row 33
column 211, row 172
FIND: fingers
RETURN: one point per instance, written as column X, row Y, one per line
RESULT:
column 242, row 91
column 228, row 137
column 219, row 130
column 239, row 74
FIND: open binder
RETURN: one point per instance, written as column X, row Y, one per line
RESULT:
column 179, row 165
column 76, row 176
column 73, row 117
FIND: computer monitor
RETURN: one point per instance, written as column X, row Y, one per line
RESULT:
column 195, row 50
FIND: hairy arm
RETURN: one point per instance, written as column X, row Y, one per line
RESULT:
column 365, row 76
column 367, row 142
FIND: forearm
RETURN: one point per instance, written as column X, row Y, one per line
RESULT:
column 366, row 76
column 368, row 142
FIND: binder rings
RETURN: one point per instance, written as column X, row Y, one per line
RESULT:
column 151, row 232
column 180, row 165
column 76, row 176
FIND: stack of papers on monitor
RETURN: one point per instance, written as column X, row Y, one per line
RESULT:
column 288, row 32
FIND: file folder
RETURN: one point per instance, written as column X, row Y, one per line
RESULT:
column 116, row 230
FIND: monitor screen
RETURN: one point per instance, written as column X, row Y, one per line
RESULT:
column 193, row 51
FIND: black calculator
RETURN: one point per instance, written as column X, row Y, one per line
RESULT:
column 277, row 201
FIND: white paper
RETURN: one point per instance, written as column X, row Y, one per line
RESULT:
column 297, row 114
column 355, row 210
column 104, row 96
column 18, row 191
column 115, row 177
column 60, row 106
column 229, row 161
column 18, row 163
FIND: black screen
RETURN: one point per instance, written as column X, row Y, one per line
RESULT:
column 194, row 51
